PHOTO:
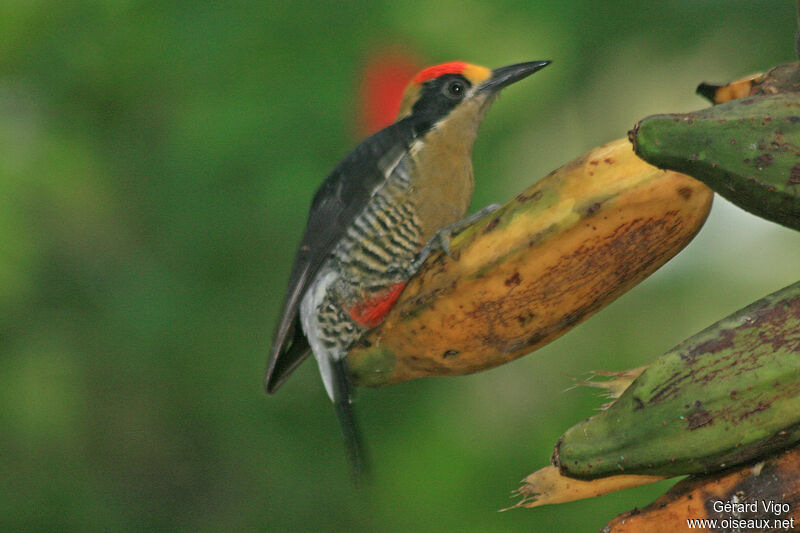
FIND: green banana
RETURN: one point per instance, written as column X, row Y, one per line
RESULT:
column 747, row 150
column 727, row 395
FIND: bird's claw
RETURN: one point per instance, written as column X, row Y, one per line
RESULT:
column 441, row 239
column 443, row 235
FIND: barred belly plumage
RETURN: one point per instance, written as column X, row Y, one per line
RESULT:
column 373, row 256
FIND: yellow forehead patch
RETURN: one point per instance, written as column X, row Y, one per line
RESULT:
column 476, row 74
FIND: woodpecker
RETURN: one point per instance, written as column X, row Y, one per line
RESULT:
column 374, row 220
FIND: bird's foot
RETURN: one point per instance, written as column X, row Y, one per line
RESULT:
column 441, row 240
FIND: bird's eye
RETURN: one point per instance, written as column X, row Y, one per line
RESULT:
column 454, row 89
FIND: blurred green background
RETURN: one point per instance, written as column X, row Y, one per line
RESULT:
column 157, row 160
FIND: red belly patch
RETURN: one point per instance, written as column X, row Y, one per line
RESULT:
column 369, row 312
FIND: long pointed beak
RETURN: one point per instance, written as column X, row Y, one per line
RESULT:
column 505, row 76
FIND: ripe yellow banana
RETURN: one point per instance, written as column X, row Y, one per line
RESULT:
column 544, row 262
column 760, row 497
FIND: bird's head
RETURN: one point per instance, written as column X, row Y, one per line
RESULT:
column 458, row 91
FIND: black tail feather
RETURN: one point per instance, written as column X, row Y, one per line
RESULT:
column 356, row 453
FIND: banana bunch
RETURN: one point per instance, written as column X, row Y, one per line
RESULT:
column 727, row 395
column 730, row 394
column 544, row 262
column 747, row 150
